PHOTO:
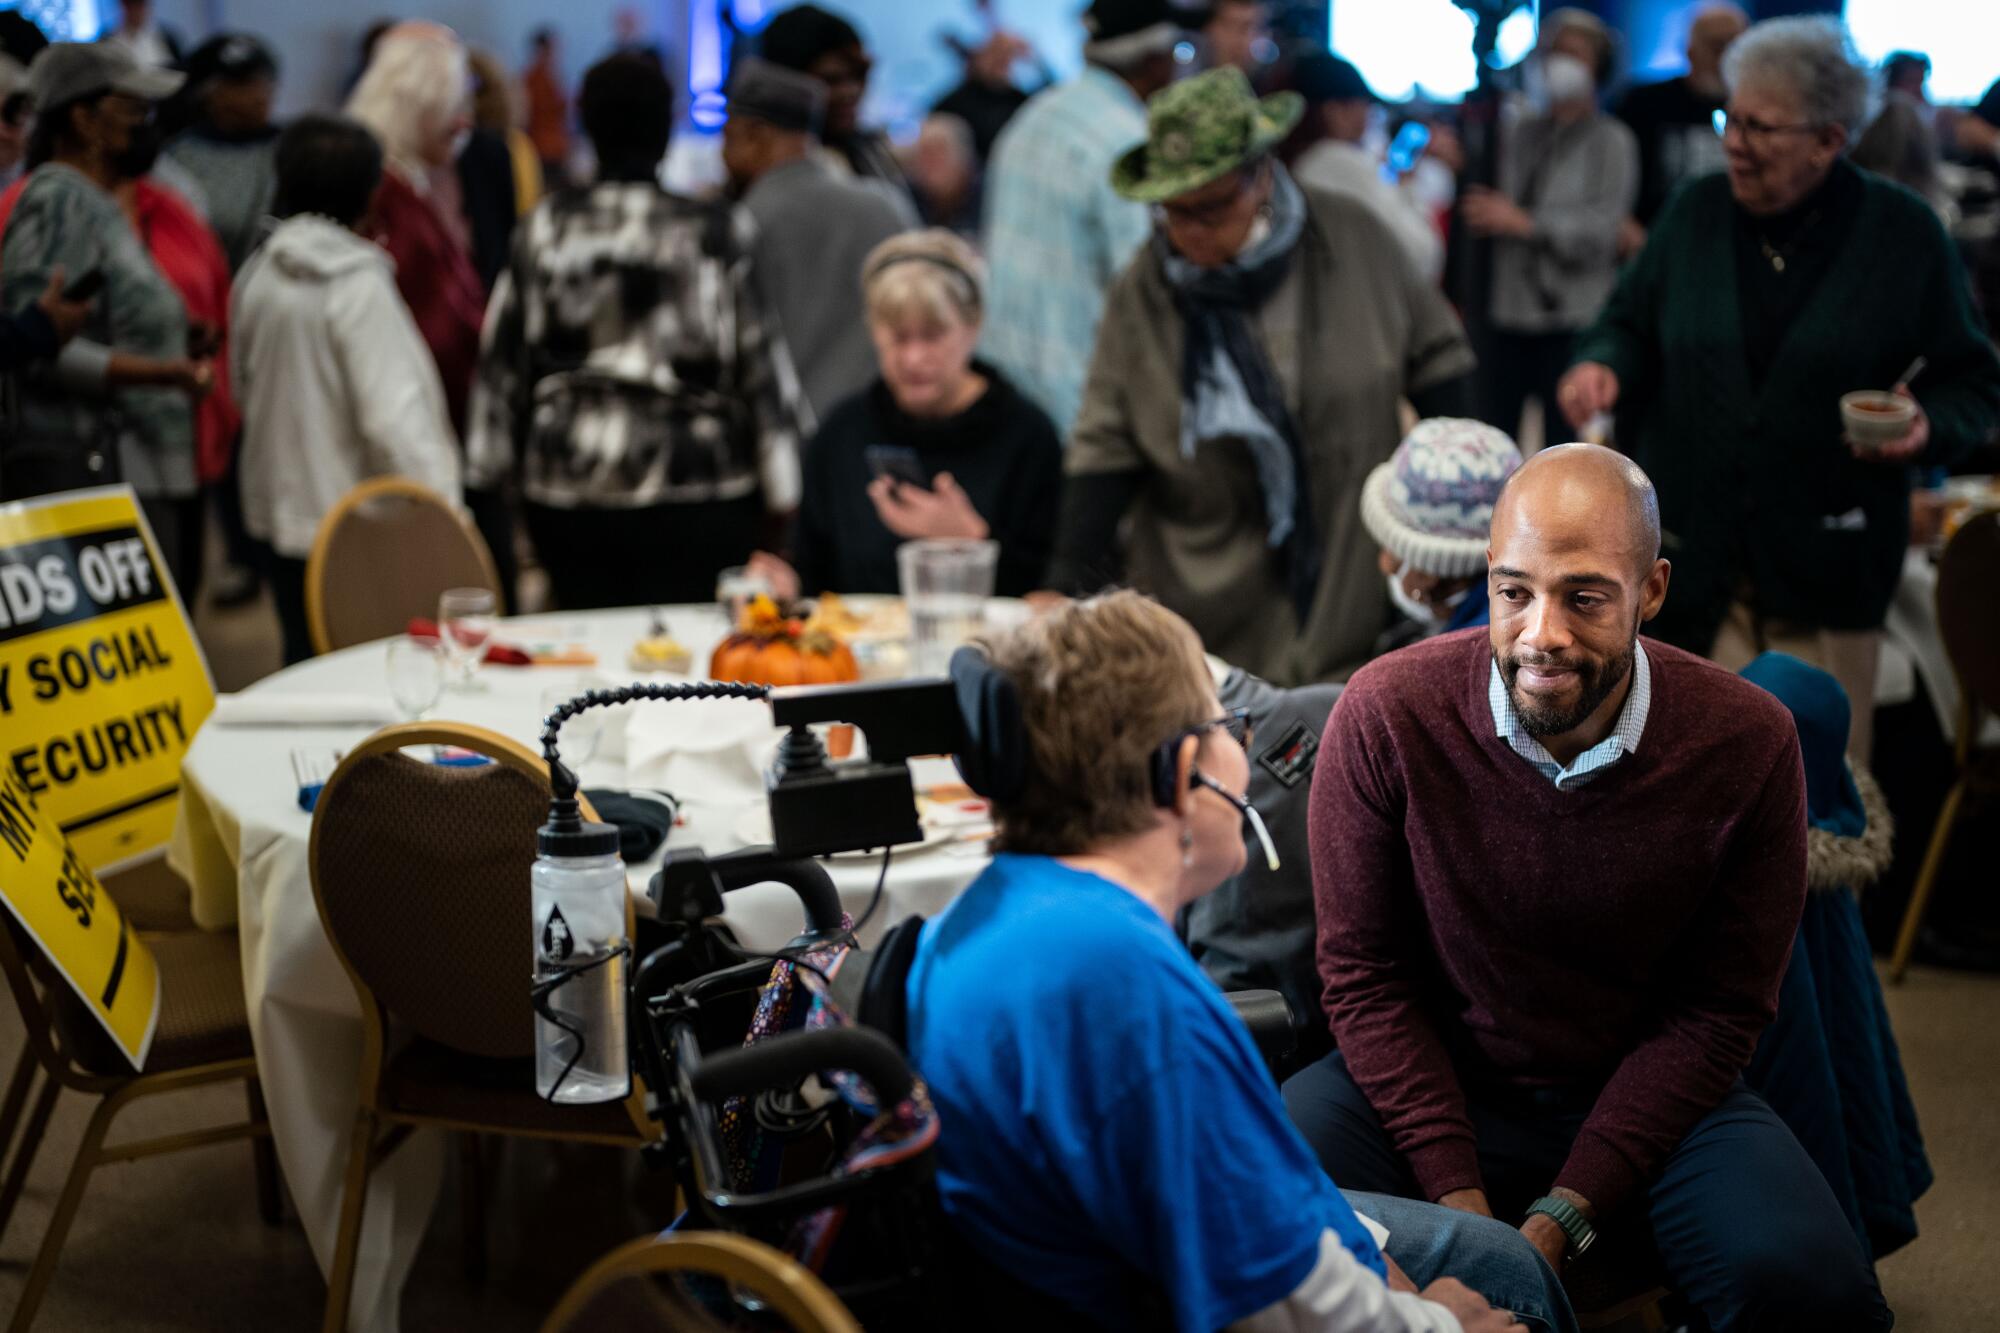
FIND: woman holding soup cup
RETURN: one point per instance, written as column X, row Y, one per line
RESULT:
column 939, row 446
column 1763, row 296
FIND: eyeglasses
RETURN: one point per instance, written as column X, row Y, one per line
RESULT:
column 1235, row 723
column 1756, row 131
column 1204, row 216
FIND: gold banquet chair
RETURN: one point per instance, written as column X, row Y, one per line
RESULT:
column 202, row 1037
column 639, row 1288
column 420, row 873
column 1968, row 573
column 382, row 556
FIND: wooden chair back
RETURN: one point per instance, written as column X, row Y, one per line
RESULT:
column 1968, row 577
column 649, row 1284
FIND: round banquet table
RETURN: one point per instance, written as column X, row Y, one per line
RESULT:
column 240, row 841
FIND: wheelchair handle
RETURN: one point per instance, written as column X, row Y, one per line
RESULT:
column 805, row 877
column 793, row 1055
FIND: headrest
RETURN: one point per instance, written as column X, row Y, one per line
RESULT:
column 994, row 758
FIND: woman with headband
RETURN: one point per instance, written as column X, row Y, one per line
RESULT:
column 940, row 445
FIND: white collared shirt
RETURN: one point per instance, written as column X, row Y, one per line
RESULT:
column 1623, row 740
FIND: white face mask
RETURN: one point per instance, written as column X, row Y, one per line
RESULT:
column 1566, row 78
column 1428, row 614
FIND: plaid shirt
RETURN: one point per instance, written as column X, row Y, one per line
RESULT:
column 1057, row 234
column 625, row 361
column 1623, row 740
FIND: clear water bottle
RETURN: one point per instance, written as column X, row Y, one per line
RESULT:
column 578, row 894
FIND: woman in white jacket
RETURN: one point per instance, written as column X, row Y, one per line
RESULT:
column 335, row 381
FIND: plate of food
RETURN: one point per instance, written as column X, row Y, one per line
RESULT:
column 659, row 650
column 863, row 616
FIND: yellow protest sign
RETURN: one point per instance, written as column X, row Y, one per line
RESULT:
column 52, row 893
column 102, row 684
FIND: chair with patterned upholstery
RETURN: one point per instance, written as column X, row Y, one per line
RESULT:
column 151, row 896
column 420, row 872
column 691, row 1282
column 202, row 1037
column 382, row 556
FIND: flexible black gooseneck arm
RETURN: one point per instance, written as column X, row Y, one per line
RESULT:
column 563, row 780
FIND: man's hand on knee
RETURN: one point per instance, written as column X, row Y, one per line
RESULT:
column 1470, row 1308
column 1543, row 1233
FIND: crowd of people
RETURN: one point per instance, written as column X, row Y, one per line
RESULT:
column 1232, row 332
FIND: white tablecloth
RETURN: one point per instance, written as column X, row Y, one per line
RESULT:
column 240, row 841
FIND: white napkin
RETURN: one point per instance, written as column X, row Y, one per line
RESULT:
column 711, row 751
column 277, row 709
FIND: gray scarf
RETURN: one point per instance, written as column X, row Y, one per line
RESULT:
column 1229, row 389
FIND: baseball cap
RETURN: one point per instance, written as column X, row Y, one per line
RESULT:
column 233, row 56
column 1131, row 28
column 69, row 71
column 777, row 96
column 1325, row 77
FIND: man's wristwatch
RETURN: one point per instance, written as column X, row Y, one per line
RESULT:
column 1570, row 1218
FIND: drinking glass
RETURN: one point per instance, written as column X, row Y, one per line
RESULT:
column 416, row 674
column 945, row 586
column 735, row 586
column 465, row 623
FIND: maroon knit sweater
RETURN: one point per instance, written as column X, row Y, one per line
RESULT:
column 1627, row 936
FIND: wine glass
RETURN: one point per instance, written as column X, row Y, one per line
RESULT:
column 416, row 674
column 465, row 622
column 735, row 586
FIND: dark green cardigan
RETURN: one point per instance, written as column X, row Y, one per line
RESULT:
column 1758, row 485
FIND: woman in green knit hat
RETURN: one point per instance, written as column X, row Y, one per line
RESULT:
column 1763, row 295
column 1249, row 372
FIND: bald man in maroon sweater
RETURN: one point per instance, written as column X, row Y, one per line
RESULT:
column 1558, row 870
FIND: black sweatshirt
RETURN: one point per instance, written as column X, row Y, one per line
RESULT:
column 1002, row 451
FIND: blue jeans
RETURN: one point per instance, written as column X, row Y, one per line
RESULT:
column 1490, row 1257
column 1744, row 1223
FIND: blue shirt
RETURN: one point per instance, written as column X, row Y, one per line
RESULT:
column 1623, row 740
column 1057, row 234
column 1105, row 1119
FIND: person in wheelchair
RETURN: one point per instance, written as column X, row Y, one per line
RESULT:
column 1111, row 1140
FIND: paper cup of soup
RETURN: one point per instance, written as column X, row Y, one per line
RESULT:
column 1875, row 419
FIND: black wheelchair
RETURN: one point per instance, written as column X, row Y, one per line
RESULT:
column 756, row 1141
column 896, row 1261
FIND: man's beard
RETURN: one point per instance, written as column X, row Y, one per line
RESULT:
column 1597, row 679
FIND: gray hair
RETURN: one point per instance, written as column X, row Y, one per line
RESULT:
column 417, row 82
column 1810, row 56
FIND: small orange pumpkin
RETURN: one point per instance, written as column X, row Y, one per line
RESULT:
column 768, row 649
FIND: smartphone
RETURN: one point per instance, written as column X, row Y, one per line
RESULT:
column 84, row 287
column 1407, row 148
column 899, row 463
